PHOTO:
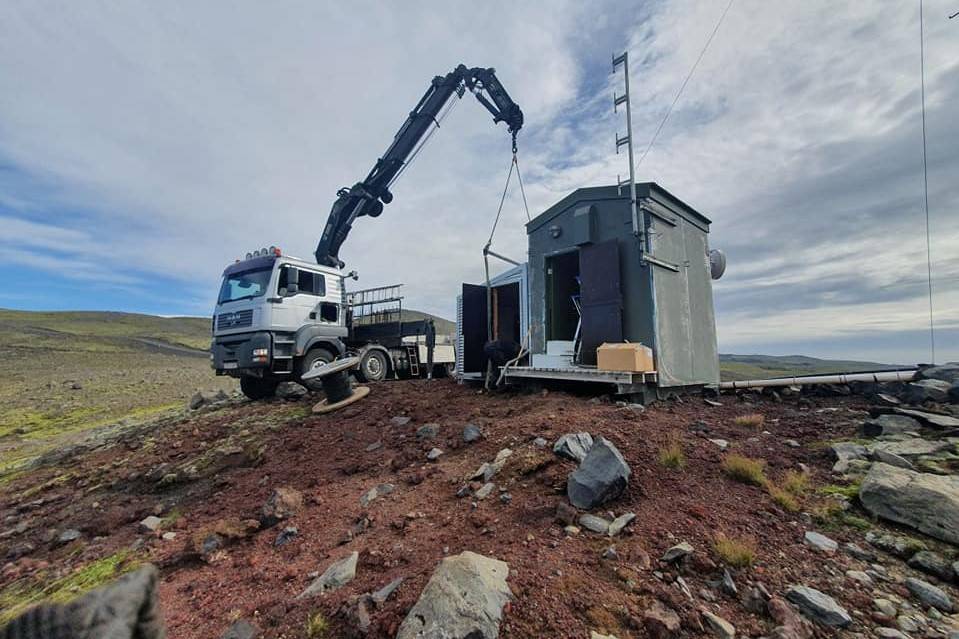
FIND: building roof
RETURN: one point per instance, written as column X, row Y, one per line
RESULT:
column 649, row 190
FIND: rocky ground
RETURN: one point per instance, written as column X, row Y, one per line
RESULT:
column 430, row 504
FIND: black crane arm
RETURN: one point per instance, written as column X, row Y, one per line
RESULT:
column 369, row 196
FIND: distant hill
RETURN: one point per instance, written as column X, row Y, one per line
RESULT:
column 740, row 367
column 443, row 326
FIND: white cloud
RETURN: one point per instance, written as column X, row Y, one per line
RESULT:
column 181, row 137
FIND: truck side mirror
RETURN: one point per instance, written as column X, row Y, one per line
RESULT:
column 292, row 280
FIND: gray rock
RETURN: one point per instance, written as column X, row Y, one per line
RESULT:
column 932, row 563
column 722, row 444
column 845, row 452
column 932, row 420
column 929, row 595
column 948, row 372
column 889, row 633
column 286, row 536
column 381, row 596
column 729, row 584
column 242, row 629
column 471, row 433
column 150, row 524
column 68, row 535
column 892, row 459
column 719, row 626
column 661, row 621
column 886, row 607
column 595, row 635
column 818, row 606
column 858, row 552
column 464, row 599
column 539, row 442
column 574, row 446
column 926, row 502
column 617, row 525
column 601, row 477
column 820, row 542
column 290, row 391
column 885, row 399
column 902, row 547
column 885, row 425
column 434, row 454
column 484, row 491
column 337, row 575
column 912, row 447
column 400, row 420
column 594, row 523
column 428, row 431
column 610, row 553
column 376, row 492
column 926, row 390
column 678, row 552
column 859, row 577
column 954, row 395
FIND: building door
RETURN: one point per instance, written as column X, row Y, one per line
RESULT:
column 474, row 329
column 601, row 298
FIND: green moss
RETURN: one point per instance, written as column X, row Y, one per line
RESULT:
column 20, row 595
column 850, row 491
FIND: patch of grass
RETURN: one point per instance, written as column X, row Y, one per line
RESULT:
column 745, row 469
column 316, row 626
column 831, row 516
column 783, row 498
column 671, row 455
column 850, row 491
column 795, row 482
column 753, row 420
column 20, row 595
column 735, row 552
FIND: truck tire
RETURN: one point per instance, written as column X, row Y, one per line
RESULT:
column 314, row 359
column 258, row 388
column 373, row 366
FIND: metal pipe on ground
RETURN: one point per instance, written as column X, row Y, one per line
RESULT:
column 840, row 378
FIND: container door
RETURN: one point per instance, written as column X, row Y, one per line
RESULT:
column 601, row 298
column 474, row 328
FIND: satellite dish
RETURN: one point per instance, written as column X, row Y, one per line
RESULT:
column 717, row 263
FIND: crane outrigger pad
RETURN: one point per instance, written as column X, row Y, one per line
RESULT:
column 335, row 377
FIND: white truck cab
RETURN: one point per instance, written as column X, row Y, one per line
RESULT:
column 277, row 317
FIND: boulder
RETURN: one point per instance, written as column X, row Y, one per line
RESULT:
column 820, row 542
column 932, row 563
column 574, row 446
column 290, row 391
column 929, row 595
column 464, row 599
column 718, row 626
column 886, row 457
column 926, row 390
column 336, row 576
column 660, row 621
column 885, row 425
column 932, row 420
column 912, row 447
column 948, row 372
column 282, row 504
column 602, row 476
column 818, row 606
column 926, row 502
column 846, row 452
column 471, row 433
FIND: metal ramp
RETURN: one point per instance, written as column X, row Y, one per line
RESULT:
column 625, row 382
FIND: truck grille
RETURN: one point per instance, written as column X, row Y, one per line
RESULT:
column 240, row 319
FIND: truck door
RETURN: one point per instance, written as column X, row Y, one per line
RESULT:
column 473, row 327
column 601, row 299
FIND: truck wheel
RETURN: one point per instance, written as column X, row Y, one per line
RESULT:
column 373, row 366
column 258, row 388
column 315, row 359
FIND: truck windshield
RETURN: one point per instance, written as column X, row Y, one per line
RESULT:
column 244, row 285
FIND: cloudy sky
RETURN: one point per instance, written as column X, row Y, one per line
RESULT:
column 143, row 146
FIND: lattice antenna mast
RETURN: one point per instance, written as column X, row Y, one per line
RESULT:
column 626, row 140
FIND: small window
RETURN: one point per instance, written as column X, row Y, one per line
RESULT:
column 329, row 312
column 308, row 282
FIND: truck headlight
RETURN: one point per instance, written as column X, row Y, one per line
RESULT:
column 261, row 354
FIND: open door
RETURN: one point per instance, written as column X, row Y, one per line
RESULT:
column 473, row 324
column 601, row 298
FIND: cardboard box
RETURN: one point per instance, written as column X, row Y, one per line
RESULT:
column 625, row 357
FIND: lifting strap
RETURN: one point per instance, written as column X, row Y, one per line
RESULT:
column 514, row 164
